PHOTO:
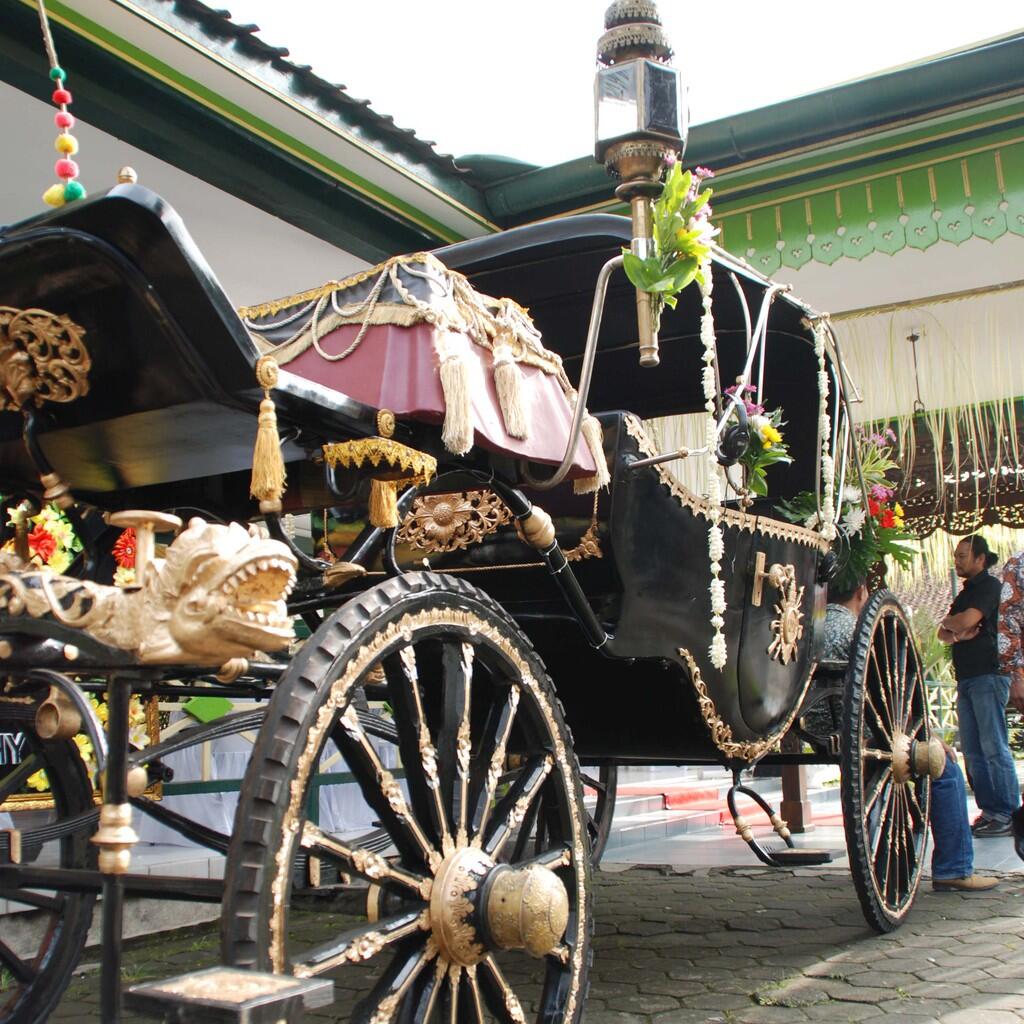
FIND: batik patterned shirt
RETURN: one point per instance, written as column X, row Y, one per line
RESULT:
column 1011, row 616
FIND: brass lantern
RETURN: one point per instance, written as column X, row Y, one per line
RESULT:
column 639, row 119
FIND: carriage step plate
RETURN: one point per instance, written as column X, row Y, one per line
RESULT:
column 227, row 995
column 801, row 857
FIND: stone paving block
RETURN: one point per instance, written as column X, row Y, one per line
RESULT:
column 981, row 1016
column 843, row 1013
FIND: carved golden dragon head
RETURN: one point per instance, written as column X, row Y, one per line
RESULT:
column 219, row 593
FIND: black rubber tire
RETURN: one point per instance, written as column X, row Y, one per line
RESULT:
column 406, row 612
column 884, row 676
column 63, row 930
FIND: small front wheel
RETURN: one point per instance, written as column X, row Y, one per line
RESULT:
column 883, row 756
column 446, row 915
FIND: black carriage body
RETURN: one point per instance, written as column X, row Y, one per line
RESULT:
column 169, row 420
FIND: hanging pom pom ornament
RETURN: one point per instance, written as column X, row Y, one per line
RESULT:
column 66, row 169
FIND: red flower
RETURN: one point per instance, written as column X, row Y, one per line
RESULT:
column 42, row 543
column 873, row 506
column 124, row 549
column 888, row 519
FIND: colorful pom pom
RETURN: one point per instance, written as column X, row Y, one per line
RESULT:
column 66, row 169
column 73, row 190
column 66, row 144
column 58, row 74
column 54, row 195
column 62, row 119
column 61, row 97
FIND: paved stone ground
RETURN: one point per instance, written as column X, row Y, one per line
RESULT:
column 742, row 946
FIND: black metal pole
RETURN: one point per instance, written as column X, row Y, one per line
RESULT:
column 115, row 795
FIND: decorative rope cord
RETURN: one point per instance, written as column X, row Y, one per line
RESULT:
column 716, row 545
column 828, row 469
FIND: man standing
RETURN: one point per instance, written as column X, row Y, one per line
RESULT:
column 982, row 690
column 1011, row 655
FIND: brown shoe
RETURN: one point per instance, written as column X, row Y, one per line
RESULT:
column 973, row 883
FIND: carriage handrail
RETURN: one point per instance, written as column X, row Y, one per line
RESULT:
column 583, row 391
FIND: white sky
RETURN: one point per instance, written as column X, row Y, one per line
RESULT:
column 515, row 77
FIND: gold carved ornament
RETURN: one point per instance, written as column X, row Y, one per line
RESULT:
column 42, row 358
column 787, row 628
column 395, row 465
column 448, row 522
column 721, row 732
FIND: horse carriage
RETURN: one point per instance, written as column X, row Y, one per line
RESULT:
column 526, row 582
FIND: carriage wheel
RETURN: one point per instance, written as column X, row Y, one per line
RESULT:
column 447, row 926
column 54, row 926
column 599, row 820
column 884, row 759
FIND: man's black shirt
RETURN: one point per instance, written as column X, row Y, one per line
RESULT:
column 978, row 657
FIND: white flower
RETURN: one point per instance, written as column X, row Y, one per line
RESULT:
column 716, row 546
column 854, row 520
column 811, row 522
column 758, row 423
column 852, row 495
column 718, row 651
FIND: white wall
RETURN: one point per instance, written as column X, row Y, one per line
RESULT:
column 255, row 255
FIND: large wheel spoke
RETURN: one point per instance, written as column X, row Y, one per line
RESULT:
column 23, row 971
column 454, row 740
column 19, row 775
column 872, row 794
column 382, row 791
column 452, row 992
column 419, row 754
column 884, row 691
column 361, row 861
column 426, row 999
column 55, row 904
column 474, row 998
column 513, row 807
column 382, row 1005
column 497, row 730
column 501, row 998
column 359, row 944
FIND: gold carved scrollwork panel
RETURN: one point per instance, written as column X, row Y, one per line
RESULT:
column 42, row 358
column 448, row 522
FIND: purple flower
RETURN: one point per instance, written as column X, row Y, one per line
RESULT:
column 880, row 492
column 703, row 172
column 670, row 158
column 890, row 434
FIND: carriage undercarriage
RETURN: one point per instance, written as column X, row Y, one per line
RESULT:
column 459, row 698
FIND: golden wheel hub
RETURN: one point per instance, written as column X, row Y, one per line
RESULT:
column 475, row 903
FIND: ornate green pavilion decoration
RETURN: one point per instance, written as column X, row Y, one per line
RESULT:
column 977, row 192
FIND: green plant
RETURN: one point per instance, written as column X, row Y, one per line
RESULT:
column 681, row 239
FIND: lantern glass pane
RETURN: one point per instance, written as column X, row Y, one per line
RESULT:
column 662, row 106
column 616, row 102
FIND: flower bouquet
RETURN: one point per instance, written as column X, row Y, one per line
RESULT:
column 682, row 234
column 870, row 521
column 51, row 539
column 767, row 446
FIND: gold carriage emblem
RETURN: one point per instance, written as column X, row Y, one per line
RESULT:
column 447, row 522
column 787, row 627
column 42, row 358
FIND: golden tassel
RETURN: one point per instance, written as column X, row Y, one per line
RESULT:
column 384, row 503
column 593, row 435
column 457, row 432
column 508, row 384
column 268, row 472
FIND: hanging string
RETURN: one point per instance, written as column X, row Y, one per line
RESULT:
column 68, row 188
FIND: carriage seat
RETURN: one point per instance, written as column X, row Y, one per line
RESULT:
column 414, row 337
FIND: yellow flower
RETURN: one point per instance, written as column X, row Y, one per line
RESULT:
column 897, row 510
column 100, row 707
column 769, row 436
column 124, row 576
column 84, row 745
column 60, row 560
column 39, row 782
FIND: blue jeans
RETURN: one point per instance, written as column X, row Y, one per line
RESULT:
column 953, row 850
column 981, row 706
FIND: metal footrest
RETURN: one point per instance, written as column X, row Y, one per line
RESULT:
column 228, row 995
column 800, row 857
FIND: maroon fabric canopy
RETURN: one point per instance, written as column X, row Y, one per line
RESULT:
column 396, row 368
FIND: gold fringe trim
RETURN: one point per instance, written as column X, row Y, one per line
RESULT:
column 403, row 467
